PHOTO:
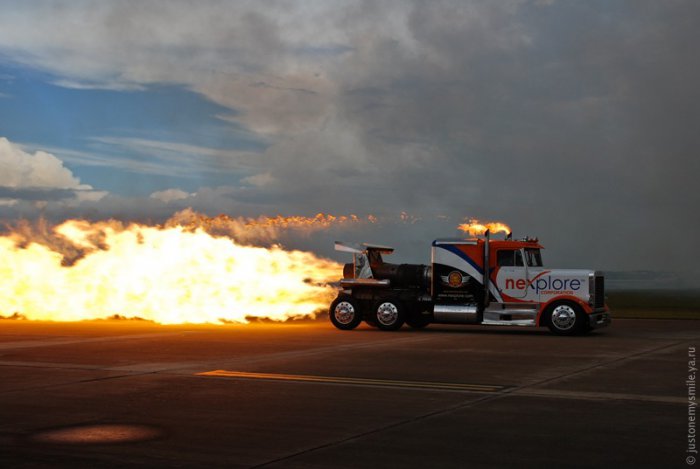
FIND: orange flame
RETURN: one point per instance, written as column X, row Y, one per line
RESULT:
column 476, row 228
column 263, row 228
column 165, row 274
column 321, row 220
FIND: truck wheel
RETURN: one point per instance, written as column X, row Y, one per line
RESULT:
column 417, row 321
column 345, row 314
column 566, row 319
column 389, row 315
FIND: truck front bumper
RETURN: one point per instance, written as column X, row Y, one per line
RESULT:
column 599, row 318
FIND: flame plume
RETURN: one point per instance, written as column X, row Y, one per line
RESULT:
column 263, row 228
column 475, row 227
column 168, row 274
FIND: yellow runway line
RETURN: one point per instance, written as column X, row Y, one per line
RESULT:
column 355, row 381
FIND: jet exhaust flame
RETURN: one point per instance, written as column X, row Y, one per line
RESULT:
column 475, row 227
column 263, row 228
column 81, row 270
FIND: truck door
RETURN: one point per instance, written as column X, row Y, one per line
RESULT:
column 533, row 261
column 512, row 276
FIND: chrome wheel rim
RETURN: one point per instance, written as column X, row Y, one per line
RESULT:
column 563, row 317
column 387, row 313
column 344, row 312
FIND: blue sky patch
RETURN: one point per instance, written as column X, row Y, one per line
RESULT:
column 127, row 142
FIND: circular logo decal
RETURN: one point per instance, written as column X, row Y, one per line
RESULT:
column 454, row 279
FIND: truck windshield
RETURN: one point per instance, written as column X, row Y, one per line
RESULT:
column 533, row 256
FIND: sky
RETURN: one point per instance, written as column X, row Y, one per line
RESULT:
column 576, row 122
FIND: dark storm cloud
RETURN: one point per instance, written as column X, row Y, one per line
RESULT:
column 574, row 121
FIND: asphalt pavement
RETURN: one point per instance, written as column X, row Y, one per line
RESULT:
column 305, row 395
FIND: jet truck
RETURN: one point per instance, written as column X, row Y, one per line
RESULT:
column 469, row 281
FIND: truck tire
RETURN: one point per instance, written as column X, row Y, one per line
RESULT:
column 417, row 321
column 345, row 314
column 566, row 318
column 388, row 314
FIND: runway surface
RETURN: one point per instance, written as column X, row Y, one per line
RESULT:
column 118, row 393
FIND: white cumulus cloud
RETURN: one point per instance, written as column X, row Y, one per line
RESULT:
column 38, row 176
column 170, row 195
column 19, row 169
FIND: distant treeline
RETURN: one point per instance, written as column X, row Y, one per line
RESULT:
column 676, row 304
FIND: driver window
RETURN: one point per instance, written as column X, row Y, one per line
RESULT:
column 362, row 267
column 509, row 258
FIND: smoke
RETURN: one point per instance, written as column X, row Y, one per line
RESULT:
column 58, row 238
